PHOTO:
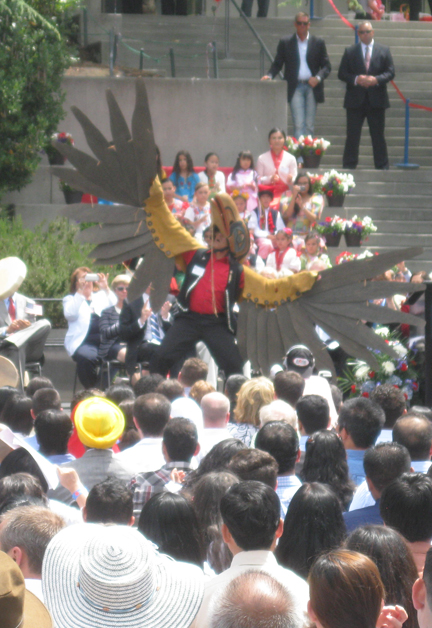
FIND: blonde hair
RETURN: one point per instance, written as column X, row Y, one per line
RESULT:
column 252, row 396
column 199, row 389
column 120, row 279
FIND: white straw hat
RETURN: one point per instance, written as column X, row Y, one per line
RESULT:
column 13, row 271
column 111, row 576
column 8, row 373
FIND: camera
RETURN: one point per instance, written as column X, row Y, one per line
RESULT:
column 92, row 277
column 303, row 188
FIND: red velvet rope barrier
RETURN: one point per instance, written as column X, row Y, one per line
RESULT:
column 398, row 91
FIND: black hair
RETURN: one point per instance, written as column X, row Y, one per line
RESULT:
column 385, row 462
column 427, row 576
column 217, row 459
column 415, row 433
column 147, row 384
column 313, row 524
column 36, row 383
column 301, row 175
column 169, row 521
column 171, row 389
column 53, row 429
column 251, row 512
column 25, row 500
column 325, row 462
column 394, row 560
column 20, row 461
column 363, row 420
column 109, row 502
column 337, row 396
column 289, row 386
column 313, row 413
column 253, row 464
column 280, row 440
column 276, row 129
column 392, row 401
column 119, row 392
column 246, row 154
column 265, row 192
column 20, row 486
column 160, row 171
column 46, row 399
column 180, row 438
column 152, row 413
column 406, row 506
column 5, row 393
column 17, row 415
column 208, row 157
column 81, row 395
column 176, row 167
column 233, row 385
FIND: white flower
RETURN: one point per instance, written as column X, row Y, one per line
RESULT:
column 362, row 372
column 388, row 367
column 382, row 331
column 400, row 349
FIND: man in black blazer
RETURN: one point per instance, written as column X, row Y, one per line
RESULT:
column 366, row 68
column 306, row 66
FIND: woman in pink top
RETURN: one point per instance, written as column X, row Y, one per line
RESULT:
column 276, row 167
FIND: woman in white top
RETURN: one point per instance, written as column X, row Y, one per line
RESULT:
column 82, row 309
column 276, row 167
column 214, row 178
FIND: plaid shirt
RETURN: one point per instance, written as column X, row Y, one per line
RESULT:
column 145, row 485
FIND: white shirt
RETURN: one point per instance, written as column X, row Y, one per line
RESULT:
column 421, row 466
column 210, row 437
column 253, row 224
column 362, row 497
column 34, row 585
column 145, row 456
column 290, row 263
column 219, row 178
column 259, row 560
column 317, row 385
column 370, row 46
column 287, row 487
column 304, row 70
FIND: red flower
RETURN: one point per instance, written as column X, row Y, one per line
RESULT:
column 386, row 341
column 395, row 386
column 328, row 219
column 406, row 396
column 415, row 386
column 353, row 388
column 371, row 374
column 403, row 367
column 318, row 151
column 365, row 394
column 330, row 193
column 414, row 363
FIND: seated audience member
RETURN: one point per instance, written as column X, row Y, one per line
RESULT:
column 169, row 521
column 121, row 571
column 337, row 397
column 147, row 384
column 40, row 381
column 24, row 535
column 382, row 464
column 232, row 387
column 175, row 205
column 254, row 599
column 215, row 410
column 280, row 440
column 17, row 414
column 5, row 393
column 193, row 370
column 75, row 446
column 43, row 399
column 406, row 506
column 251, row 528
column 130, row 436
column 253, row 464
column 313, row 524
column 19, row 607
column 217, row 459
column 264, row 223
column 252, row 396
column 205, row 496
column 313, row 414
column 179, row 445
column 53, row 428
column 301, row 360
column 283, row 261
column 151, row 414
column 278, row 410
column 289, row 386
column 392, row 401
column 99, row 424
column 346, row 590
column 325, row 462
column 171, row 389
column 116, row 393
column 422, row 594
column 414, row 432
column 111, row 347
column 200, row 389
column 109, row 502
column 359, row 425
column 21, row 488
column 391, row 555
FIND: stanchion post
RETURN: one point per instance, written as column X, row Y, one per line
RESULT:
column 227, row 29
column 115, row 49
column 85, row 26
column 141, row 61
column 215, row 60
column 356, row 37
column 111, row 52
column 262, row 60
column 428, row 343
column 405, row 164
column 172, row 59
column 312, row 9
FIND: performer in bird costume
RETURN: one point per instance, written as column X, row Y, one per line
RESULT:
column 274, row 314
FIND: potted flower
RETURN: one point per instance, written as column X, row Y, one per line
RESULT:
column 316, row 183
column 307, row 149
column 345, row 256
column 71, row 195
column 358, row 229
column 55, row 158
column 332, row 229
column 335, row 186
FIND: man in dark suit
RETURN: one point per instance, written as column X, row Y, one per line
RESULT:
column 306, row 66
column 366, row 68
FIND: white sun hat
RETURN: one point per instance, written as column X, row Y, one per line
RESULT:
column 97, row 576
column 8, row 373
column 13, row 271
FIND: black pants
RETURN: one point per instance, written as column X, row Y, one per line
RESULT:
column 263, row 7
column 86, row 357
column 188, row 329
column 376, row 122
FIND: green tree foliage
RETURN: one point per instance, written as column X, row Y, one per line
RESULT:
column 33, row 57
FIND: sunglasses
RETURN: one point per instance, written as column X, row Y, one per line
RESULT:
column 302, row 23
column 364, row 32
column 121, row 288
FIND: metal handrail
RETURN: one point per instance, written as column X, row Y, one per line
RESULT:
column 253, row 31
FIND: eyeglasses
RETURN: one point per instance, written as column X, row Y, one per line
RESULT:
column 364, row 32
column 302, row 23
column 121, row 288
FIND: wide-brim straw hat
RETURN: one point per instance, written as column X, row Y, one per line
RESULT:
column 8, row 373
column 13, row 271
column 112, row 577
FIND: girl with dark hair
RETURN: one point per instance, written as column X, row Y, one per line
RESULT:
column 243, row 181
column 346, row 590
column 313, row 524
column 284, row 260
column 390, row 553
column 169, row 521
column 303, row 208
column 213, row 177
column 277, row 168
column 184, row 177
column 325, row 462
column 312, row 258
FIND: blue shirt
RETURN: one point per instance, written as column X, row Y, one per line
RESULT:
column 355, row 465
column 185, row 187
column 363, row 516
column 287, row 487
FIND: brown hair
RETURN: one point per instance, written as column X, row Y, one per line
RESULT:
column 74, row 277
column 346, row 590
column 199, row 389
